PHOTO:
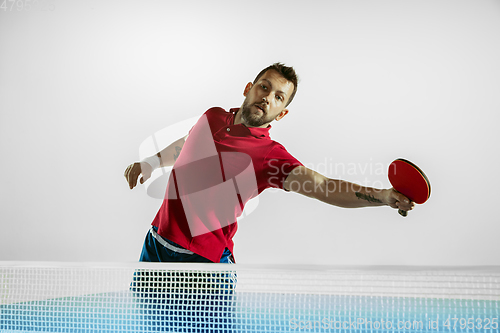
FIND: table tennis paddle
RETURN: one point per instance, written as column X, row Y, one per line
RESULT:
column 409, row 180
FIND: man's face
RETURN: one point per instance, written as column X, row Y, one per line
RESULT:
column 266, row 99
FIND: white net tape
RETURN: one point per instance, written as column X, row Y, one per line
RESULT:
column 233, row 298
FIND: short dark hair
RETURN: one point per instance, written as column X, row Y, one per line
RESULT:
column 287, row 72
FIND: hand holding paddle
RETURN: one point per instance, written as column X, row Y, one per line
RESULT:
column 409, row 180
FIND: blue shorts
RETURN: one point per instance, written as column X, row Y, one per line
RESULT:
column 159, row 249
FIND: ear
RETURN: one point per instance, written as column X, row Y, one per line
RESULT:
column 247, row 88
column 281, row 114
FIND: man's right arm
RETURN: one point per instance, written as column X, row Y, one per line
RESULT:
column 166, row 157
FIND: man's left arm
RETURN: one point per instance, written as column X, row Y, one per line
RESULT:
column 342, row 193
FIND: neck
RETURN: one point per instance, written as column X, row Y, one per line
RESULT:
column 237, row 118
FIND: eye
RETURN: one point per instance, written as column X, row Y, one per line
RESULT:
column 263, row 87
column 279, row 98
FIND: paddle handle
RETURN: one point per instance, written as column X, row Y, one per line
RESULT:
column 403, row 213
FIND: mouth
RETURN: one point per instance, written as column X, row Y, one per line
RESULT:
column 260, row 107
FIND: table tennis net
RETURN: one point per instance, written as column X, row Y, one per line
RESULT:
column 234, row 298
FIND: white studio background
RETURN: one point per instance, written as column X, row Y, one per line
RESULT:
column 84, row 83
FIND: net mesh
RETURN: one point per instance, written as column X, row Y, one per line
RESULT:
column 233, row 298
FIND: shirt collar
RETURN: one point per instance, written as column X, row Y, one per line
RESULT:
column 258, row 132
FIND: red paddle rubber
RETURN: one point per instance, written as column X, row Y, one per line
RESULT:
column 409, row 180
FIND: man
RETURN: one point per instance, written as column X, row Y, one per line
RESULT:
column 227, row 159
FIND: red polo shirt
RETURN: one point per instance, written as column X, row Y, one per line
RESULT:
column 221, row 167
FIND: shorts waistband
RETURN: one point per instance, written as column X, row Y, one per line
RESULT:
column 168, row 244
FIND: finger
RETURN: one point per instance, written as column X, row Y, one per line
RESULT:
column 137, row 171
column 127, row 171
column 401, row 198
column 403, row 212
column 144, row 177
column 130, row 178
column 127, row 175
column 405, row 206
column 133, row 180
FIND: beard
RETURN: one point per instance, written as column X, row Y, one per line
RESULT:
column 252, row 118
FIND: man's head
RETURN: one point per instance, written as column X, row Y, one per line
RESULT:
column 287, row 72
column 268, row 96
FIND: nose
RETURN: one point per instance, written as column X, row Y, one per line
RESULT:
column 264, row 99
